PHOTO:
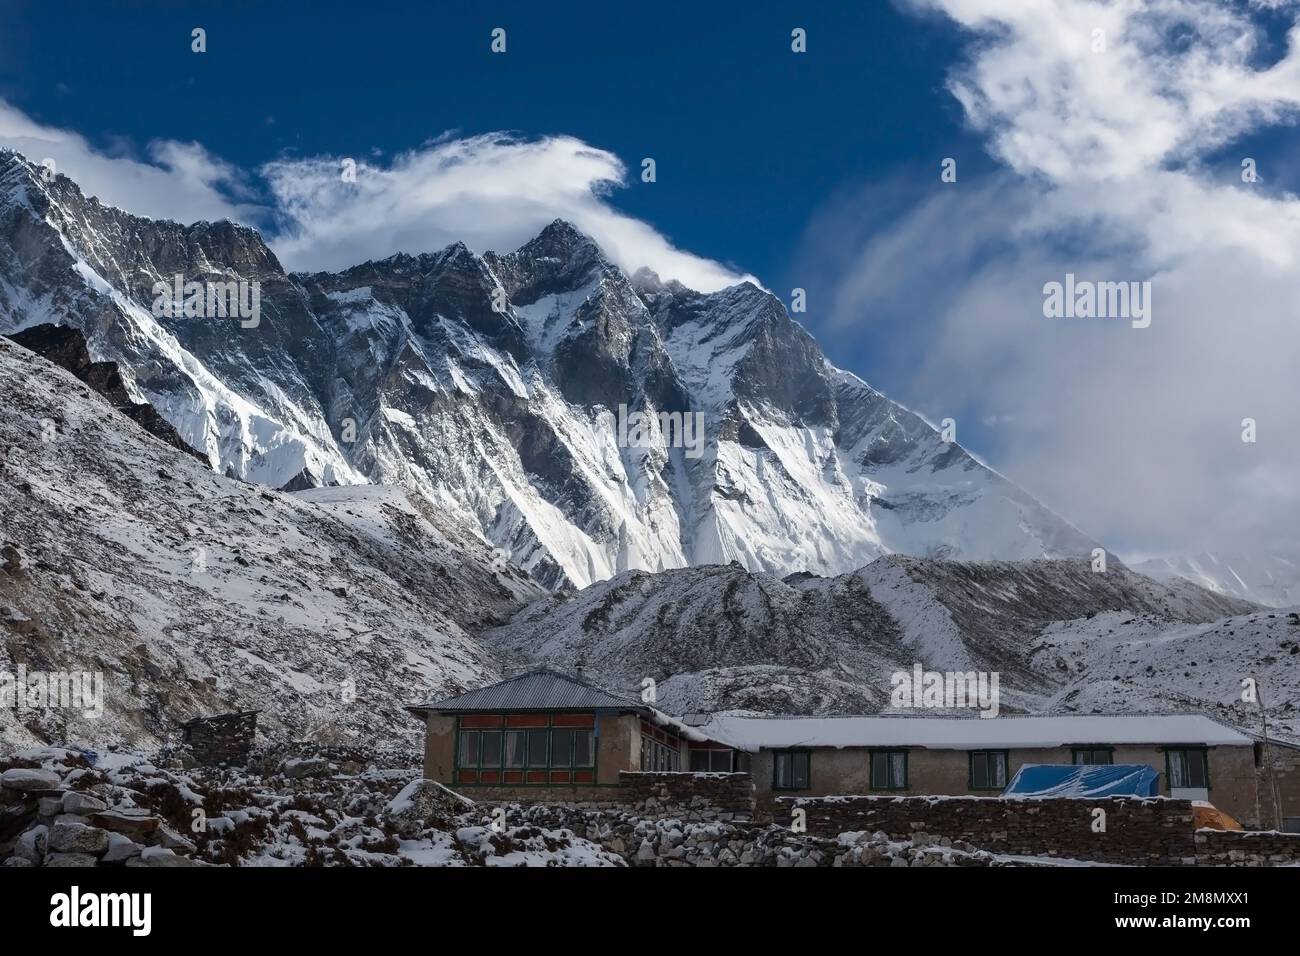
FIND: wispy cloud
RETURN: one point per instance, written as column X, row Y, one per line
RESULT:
column 492, row 192
column 1134, row 434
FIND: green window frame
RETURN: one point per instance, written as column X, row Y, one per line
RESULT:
column 886, row 767
column 1177, row 763
column 989, row 769
column 1092, row 756
column 525, row 748
column 791, row 769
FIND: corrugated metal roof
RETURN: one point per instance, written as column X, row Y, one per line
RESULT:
column 971, row 733
column 536, row 690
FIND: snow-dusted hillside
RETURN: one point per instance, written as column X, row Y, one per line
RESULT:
column 1119, row 662
column 723, row 638
column 193, row 593
column 1268, row 579
column 403, row 372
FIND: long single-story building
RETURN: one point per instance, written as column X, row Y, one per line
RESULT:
column 544, row 735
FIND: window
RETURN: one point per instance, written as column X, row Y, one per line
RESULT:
column 1188, row 769
column 583, row 751
column 1291, row 824
column 988, row 769
column 790, row 769
column 469, row 741
column 515, row 748
column 1104, row 756
column 537, row 747
column 889, row 770
column 561, row 748
column 711, row 761
column 491, row 748
column 661, row 751
column 526, row 749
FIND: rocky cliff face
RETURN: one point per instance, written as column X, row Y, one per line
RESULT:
column 189, row 593
column 491, row 385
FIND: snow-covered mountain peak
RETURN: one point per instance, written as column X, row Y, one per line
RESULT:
column 499, row 386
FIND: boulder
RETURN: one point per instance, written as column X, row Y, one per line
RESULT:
column 121, row 849
column 83, row 803
column 422, row 803
column 27, row 781
column 31, row 845
column 65, row 837
column 71, row 859
column 132, row 823
column 166, row 837
column 305, row 767
column 160, row 856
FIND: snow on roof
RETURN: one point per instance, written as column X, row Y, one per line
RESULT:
column 970, row 733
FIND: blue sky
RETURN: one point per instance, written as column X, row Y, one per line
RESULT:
column 748, row 137
column 818, row 170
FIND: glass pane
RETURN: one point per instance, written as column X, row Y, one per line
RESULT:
column 561, row 748
column 999, row 764
column 879, row 771
column 699, row 761
column 720, row 761
column 783, row 771
column 469, row 748
column 491, row 746
column 582, row 749
column 1104, row 757
column 800, row 771
column 645, row 753
column 979, row 770
column 537, row 748
column 1177, row 768
column 1196, row 768
column 897, row 769
column 514, row 748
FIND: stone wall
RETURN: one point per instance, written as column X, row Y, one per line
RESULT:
column 673, row 843
column 224, row 738
column 1238, row 848
column 1137, row 831
column 684, row 796
column 689, row 796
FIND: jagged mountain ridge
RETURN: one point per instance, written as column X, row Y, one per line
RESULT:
column 1269, row 579
column 402, row 372
column 193, row 593
column 724, row 638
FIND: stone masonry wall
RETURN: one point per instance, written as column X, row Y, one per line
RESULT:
column 1237, row 848
column 691, row 797
column 1138, row 831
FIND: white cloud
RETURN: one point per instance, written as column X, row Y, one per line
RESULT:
column 490, row 192
column 1135, row 434
column 183, row 182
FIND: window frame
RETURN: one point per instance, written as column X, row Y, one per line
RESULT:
column 1205, row 762
column 871, row 768
column 1086, row 749
column 525, row 766
column 792, row 753
column 1006, row 770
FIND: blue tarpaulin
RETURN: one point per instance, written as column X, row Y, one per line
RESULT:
column 1089, row 780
